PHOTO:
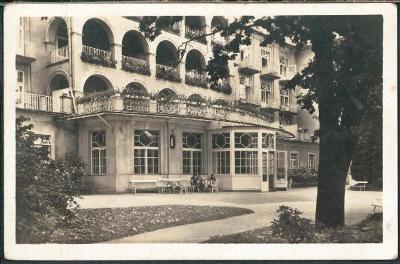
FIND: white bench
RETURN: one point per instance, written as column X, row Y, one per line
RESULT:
column 142, row 184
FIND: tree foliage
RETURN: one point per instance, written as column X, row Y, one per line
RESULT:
column 45, row 189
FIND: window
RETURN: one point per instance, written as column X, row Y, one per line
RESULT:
column 43, row 141
column 268, row 141
column 98, row 152
column 311, row 161
column 192, row 153
column 281, row 165
column 294, row 160
column 246, row 153
column 221, row 153
column 146, row 154
column 20, row 86
column 284, row 97
column 285, row 119
column 283, row 64
column 265, row 58
column 266, row 92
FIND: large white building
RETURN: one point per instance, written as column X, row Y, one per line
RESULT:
column 96, row 87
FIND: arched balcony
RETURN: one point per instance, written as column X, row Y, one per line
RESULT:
column 135, row 98
column 58, row 37
column 58, row 82
column 223, row 84
column 218, row 23
column 167, row 62
column 195, row 27
column 135, row 53
column 96, row 83
column 97, row 40
column 195, row 69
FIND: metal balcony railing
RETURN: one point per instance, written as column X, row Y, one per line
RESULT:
column 59, row 54
column 135, row 65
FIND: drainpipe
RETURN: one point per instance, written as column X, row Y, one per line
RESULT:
column 167, row 148
column 71, row 67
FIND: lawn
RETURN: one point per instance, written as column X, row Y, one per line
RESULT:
column 100, row 225
column 367, row 231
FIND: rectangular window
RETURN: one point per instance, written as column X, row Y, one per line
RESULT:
column 146, row 154
column 265, row 58
column 192, row 154
column 98, row 152
column 284, row 97
column 43, row 141
column 294, row 160
column 311, row 161
column 266, row 92
column 283, row 64
column 281, row 166
column 268, row 141
column 221, row 153
column 246, row 162
column 246, row 140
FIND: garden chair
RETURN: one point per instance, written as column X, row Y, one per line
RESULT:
column 161, row 186
column 213, row 186
column 184, row 186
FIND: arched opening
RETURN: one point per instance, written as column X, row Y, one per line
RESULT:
column 96, row 34
column 217, row 24
column 97, row 43
column 166, row 94
column 196, row 98
column 58, row 82
column 195, row 26
column 96, row 83
column 167, row 62
column 135, row 53
column 221, row 102
column 57, row 36
column 135, row 89
column 134, row 45
column 195, row 69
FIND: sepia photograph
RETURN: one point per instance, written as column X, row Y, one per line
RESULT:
column 200, row 133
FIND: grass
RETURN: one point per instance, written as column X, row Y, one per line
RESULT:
column 367, row 231
column 100, row 225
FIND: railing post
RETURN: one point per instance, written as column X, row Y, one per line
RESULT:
column 117, row 103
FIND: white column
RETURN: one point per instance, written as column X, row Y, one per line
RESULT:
column 260, row 157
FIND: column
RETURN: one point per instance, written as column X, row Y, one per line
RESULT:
column 117, row 54
column 152, row 64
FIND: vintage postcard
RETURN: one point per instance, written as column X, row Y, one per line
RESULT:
column 200, row 131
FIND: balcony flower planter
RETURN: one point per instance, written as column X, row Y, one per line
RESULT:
column 100, row 95
column 168, row 73
column 106, row 61
column 194, row 34
column 135, row 65
column 222, row 88
column 198, row 80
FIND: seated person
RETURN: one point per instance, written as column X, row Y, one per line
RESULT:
column 212, row 178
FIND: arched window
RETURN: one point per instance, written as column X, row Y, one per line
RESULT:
column 167, row 62
column 62, row 35
column 57, row 37
column 166, row 94
column 218, row 23
column 135, row 89
column 195, row 69
column 96, row 83
column 58, row 82
column 135, row 53
column 96, row 35
column 195, row 27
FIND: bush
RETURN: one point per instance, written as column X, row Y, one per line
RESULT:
column 45, row 189
column 291, row 226
column 304, row 177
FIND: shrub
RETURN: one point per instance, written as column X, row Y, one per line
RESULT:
column 291, row 226
column 45, row 188
column 304, row 177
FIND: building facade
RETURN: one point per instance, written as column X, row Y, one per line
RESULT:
column 133, row 110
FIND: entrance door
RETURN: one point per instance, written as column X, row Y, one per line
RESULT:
column 264, row 179
column 281, row 170
column 271, row 170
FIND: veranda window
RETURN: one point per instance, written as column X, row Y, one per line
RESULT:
column 146, row 155
column 246, row 152
column 268, row 141
column 311, row 161
column 192, row 153
column 220, row 153
column 294, row 160
column 98, row 152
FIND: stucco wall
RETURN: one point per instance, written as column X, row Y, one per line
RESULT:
column 303, row 148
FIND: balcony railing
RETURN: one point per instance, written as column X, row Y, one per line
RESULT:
column 291, row 71
column 195, row 34
column 38, row 102
column 59, row 54
column 135, row 65
column 167, row 73
column 246, row 66
column 175, row 28
column 268, row 73
column 196, row 79
column 174, row 108
column 97, row 56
